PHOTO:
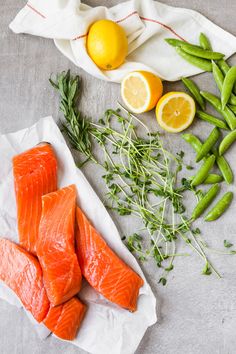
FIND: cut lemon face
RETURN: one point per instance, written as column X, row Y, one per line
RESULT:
column 140, row 91
column 175, row 111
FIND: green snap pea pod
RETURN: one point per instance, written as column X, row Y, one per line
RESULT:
column 220, row 207
column 233, row 108
column 228, row 84
column 201, row 53
column 174, row 42
column 219, row 79
column 218, row 75
column 213, row 178
column 204, row 42
column 194, row 90
column 201, row 63
column 212, row 120
column 196, row 145
column 208, row 144
column 203, row 204
column 203, row 171
column 224, row 167
column 226, row 112
column 178, row 43
column 196, row 50
column 193, row 141
column 228, row 140
column 224, row 67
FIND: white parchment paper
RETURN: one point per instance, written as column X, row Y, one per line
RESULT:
column 105, row 325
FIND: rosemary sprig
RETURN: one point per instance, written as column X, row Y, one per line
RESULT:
column 75, row 126
column 141, row 177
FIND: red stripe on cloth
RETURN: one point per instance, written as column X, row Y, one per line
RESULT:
column 79, row 37
column 125, row 18
column 163, row 25
column 118, row 21
column 36, row 11
column 144, row 19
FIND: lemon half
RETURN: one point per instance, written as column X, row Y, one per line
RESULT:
column 140, row 91
column 175, row 111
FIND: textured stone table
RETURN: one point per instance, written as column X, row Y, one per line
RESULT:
column 197, row 314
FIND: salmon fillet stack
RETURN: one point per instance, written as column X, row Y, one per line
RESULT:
column 35, row 176
column 45, row 270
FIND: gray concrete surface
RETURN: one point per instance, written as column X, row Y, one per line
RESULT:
column 197, row 314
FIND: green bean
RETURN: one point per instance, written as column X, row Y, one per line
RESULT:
column 227, row 142
column 219, row 79
column 201, row 53
column 204, row 42
column 201, row 63
column 208, row 144
column 212, row 120
column 202, row 173
column 220, row 207
column 226, row 113
column 213, row 178
column 178, row 43
column 228, row 84
column 204, row 203
column 193, row 141
column 194, row 90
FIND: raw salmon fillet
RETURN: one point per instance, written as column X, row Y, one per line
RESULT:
column 35, row 174
column 55, row 247
column 64, row 320
column 21, row 271
column 103, row 269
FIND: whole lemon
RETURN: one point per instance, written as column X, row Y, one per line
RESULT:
column 107, row 44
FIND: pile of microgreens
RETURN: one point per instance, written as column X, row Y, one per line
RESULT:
column 141, row 177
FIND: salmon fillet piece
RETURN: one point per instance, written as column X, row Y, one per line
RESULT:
column 64, row 320
column 103, row 269
column 22, row 272
column 35, row 174
column 55, row 247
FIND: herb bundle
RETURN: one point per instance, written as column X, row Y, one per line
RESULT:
column 141, row 177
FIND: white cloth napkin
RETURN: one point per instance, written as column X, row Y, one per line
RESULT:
column 106, row 328
column 146, row 23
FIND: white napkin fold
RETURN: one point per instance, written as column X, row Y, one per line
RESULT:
column 146, row 23
column 105, row 325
